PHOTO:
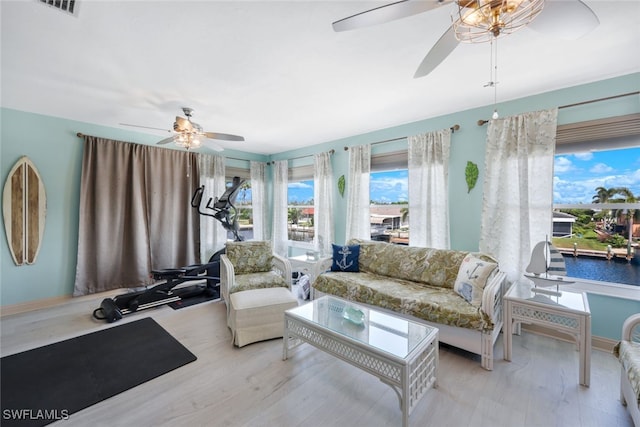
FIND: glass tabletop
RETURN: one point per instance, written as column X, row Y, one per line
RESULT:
column 385, row 332
column 524, row 289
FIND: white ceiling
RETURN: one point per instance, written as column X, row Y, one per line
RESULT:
column 276, row 72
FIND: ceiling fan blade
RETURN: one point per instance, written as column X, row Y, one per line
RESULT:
column 443, row 47
column 144, row 127
column 213, row 145
column 223, row 136
column 165, row 141
column 565, row 19
column 389, row 12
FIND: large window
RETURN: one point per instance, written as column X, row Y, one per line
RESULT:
column 596, row 219
column 389, row 194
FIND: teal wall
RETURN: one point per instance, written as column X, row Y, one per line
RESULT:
column 609, row 313
column 53, row 146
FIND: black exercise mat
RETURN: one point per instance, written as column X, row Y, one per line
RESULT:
column 49, row 383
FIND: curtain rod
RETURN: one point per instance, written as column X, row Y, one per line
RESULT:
column 482, row 122
column 81, row 135
column 453, row 129
column 331, row 152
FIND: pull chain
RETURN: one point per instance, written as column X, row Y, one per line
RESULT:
column 493, row 75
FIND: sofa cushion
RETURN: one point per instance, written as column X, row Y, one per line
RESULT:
column 250, row 256
column 432, row 303
column 345, row 258
column 472, row 278
column 434, row 267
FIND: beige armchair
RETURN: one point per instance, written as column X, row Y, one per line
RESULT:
column 628, row 351
column 252, row 265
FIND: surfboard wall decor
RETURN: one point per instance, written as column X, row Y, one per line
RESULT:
column 24, row 207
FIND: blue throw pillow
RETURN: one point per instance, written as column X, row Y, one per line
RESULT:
column 345, row 258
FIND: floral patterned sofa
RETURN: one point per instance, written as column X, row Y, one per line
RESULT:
column 628, row 352
column 458, row 292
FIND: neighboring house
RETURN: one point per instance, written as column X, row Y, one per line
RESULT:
column 563, row 224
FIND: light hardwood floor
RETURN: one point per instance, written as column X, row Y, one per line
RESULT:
column 252, row 386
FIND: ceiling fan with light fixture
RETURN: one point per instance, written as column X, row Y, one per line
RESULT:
column 477, row 21
column 188, row 134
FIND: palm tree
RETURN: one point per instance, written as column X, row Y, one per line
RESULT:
column 619, row 195
column 603, row 195
column 628, row 198
column 404, row 214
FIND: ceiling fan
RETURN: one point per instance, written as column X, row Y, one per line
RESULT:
column 475, row 21
column 189, row 134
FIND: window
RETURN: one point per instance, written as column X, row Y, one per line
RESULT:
column 300, row 209
column 242, row 203
column 388, row 191
column 596, row 218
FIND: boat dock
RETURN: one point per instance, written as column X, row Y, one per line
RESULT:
column 609, row 254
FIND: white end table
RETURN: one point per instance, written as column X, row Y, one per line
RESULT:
column 568, row 313
column 303, row 264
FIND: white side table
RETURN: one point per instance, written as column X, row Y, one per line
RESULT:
column 568, row 313
column 303, row 264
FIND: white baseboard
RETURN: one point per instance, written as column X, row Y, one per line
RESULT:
column 597, row 343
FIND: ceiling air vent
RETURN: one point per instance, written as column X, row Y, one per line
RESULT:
column 68, row 6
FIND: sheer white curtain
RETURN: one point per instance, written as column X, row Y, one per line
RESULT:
column 259, row 199
column 212, row 235
column 323, row 202
column 518, row 187
column 358, row 217
column 280, row 182
column 429, row 189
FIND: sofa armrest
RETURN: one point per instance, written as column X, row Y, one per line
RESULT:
column 322, row 265
column 227, row 277
column 631, row 328
column 492, row 295
column 283, row 267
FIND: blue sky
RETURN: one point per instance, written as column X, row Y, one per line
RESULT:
column 576, row 176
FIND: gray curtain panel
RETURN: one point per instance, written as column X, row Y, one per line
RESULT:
column 135, row 214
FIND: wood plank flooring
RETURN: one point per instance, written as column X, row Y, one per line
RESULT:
column 253, row 386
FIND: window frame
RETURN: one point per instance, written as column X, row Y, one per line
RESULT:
column 610, row 133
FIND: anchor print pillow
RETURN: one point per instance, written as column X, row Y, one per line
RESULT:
column 472, row 278
column 345, row 258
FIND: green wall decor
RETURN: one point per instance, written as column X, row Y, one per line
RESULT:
column 471, row 175
column 341, row 185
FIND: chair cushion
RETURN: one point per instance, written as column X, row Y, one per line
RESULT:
column 629, row 355
column 269, row 279
column 250, row 257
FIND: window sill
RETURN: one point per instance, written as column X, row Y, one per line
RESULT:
column 604, row 288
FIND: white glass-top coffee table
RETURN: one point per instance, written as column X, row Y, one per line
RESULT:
column 400, row 352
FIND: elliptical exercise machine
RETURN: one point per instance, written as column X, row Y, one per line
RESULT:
column 113, row 309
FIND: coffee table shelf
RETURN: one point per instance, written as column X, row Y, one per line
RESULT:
column 401, row 353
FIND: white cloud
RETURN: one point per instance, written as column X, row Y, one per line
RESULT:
column 562, row 165
column 601, row 168
column 583, row 156
column 298, row 184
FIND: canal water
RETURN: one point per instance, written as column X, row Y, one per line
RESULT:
column 614, row 270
